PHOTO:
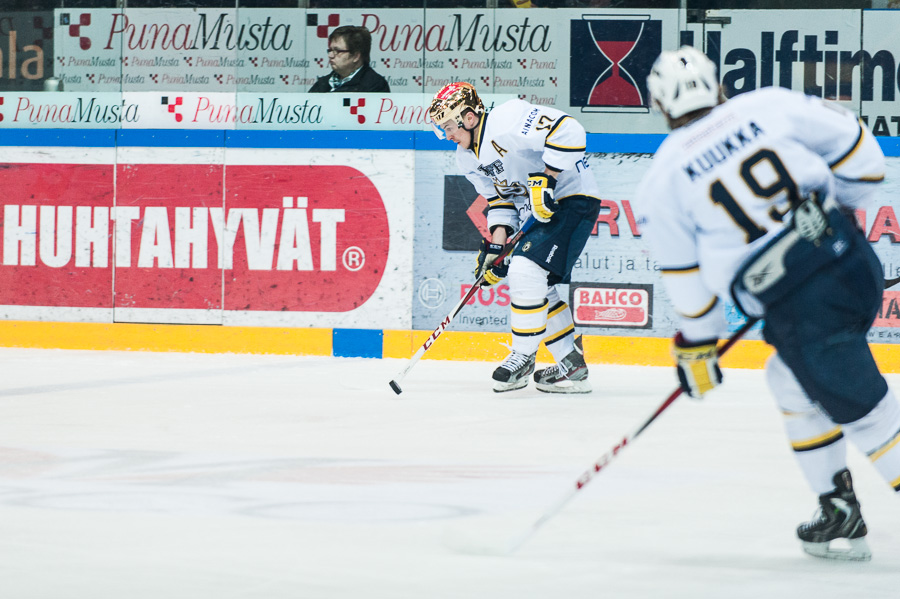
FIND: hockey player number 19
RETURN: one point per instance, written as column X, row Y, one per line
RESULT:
column 720, row 195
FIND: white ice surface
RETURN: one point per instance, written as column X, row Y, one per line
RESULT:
column 169, row 476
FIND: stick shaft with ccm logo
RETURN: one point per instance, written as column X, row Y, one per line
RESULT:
column 605, row 460
column 510, row 246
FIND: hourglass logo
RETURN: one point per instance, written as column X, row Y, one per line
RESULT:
column 614, row 56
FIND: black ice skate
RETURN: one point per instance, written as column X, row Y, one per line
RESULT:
column 569, row 376
column 513, row 373
column 838, row 519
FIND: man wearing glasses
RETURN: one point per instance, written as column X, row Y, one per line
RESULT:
column 348, row 57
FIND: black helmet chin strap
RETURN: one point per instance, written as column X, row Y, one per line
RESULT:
column 462, row 125
column 472, row 141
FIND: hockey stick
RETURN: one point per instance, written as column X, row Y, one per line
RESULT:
column 604, row 461
column 510, row 246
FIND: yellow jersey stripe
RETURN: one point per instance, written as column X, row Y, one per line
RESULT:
column 498, row 203
column 535, row 331
column 682, row 270
column 478, row 135
column 562, row 306
column 706, row 309
column 562, row 148
column 837, row 163
column 872, row 179
column 820, row 441
column 563, row 333
column 556, row 126
column 885, row 448
column 529, row 309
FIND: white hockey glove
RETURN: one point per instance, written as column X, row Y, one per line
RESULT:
column 540, row 196
column 698, row 365
column 486, row 256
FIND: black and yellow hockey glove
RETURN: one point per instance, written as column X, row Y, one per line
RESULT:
column 540, row 196
column 698, row 365
column 486, row 257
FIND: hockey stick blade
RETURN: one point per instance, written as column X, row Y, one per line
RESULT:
column 510, row 246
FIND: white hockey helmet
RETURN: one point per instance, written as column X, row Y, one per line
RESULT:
column 682, row 81
column 451, row 102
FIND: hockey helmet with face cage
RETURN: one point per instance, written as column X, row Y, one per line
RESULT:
column 682, row 81
column 450, row 104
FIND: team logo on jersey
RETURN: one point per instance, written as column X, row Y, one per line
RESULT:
column 491, row 170
column 616, row 53
column 507, row 190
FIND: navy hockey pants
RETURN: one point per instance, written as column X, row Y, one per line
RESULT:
column 820, row 329
column 555, row 246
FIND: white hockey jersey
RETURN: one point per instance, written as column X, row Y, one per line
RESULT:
column 518, row 138
column 717, row 189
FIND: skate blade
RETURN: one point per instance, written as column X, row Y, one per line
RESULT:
column 857, row 550
column 503, row 387
column 565, row 387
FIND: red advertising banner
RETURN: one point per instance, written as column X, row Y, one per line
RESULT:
column 191, row 236
column 166, row 250
column 57, row 246
column 889, row 315
column 311, row 238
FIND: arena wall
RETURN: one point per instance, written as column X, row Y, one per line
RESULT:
column 185, row 194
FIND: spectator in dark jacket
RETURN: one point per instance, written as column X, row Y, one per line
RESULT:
column 348, row 57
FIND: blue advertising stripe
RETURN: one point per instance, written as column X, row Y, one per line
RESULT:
column 889, row 145
column 82, row 138
column 358, row 140
column 629, row 143
column 632, row 143
column 427, row 140
column 648, row 143
column 171, row 138
column 625, row 143
column 357, row 343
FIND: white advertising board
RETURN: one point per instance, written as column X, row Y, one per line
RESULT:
column 220, row 110
column 879, row 71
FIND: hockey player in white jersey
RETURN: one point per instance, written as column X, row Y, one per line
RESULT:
column 527, row 160
column 750, row 200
